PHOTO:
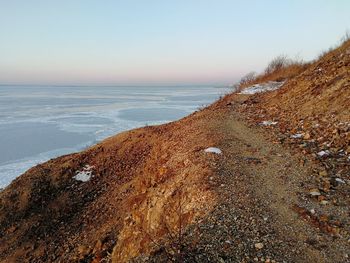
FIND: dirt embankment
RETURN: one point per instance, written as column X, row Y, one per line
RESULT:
column 138, row 179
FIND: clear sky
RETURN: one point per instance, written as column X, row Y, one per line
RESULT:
column 159, row 41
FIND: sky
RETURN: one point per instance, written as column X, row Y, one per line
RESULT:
column 159, row 42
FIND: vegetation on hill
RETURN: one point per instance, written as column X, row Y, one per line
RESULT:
column 283, row 68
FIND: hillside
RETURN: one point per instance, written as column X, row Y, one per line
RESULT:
column 312, row 112
column 158, row 194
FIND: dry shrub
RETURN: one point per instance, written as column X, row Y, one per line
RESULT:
column 279, row 69
column 245, row 81
column 277, row 64
column 247, row 78
column 282, row 68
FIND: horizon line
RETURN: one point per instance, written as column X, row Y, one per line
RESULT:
column 115, row 85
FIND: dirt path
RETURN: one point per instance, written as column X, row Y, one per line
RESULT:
column 271, row 180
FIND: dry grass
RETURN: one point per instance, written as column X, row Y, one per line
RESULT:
column 321, row 90
column 279, row 69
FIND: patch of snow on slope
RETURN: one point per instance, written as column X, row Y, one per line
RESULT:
column 85, row 174
column 297, row 136
column 323, row 153
column 263, row 87
column 268, row 123
column 213, row 150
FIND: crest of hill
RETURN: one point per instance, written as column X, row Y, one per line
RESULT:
column 323, row 88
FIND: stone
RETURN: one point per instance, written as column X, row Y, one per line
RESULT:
column 326, row 186
column 323, row 153
column 348, row 149
column 307, row 136
column 259, row 245
column 296, row 136
column 340, row 180
column 321, row 198
column 83, row 251
column 323, row 173
column 314, row 192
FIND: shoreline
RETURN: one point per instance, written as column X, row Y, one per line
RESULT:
column 89, row 123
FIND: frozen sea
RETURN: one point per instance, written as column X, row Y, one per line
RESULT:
column 38, row 123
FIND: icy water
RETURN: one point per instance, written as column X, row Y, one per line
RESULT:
column 39, row 123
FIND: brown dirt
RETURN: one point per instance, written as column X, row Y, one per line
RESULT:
column 156, row 196
column 46, row 215
column 322, row 89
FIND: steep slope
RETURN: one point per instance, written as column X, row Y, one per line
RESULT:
column 322, row 89
column 156, row 195
column 138, row 178
column 316, row 101
column 312, row 112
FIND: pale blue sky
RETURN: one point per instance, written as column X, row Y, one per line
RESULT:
column 159, row 42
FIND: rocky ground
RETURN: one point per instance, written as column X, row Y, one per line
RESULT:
column 264, row 212
column 276, row 187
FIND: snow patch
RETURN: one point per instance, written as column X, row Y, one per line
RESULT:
column 262, row 87
column 268, row 123
column 213, row 150
column 85, row 174
column 297, row 136
column 323, row 153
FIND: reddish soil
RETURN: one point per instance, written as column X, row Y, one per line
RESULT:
column 156, row 196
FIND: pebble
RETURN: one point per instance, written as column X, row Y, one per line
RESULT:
column 314, row 192
column 323, row 173
column 340, row 180
column 296, row 136
column 259, row 245
column 323, row 153
column 307, row 136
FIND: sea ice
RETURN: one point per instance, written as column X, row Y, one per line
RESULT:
column 213, row 150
